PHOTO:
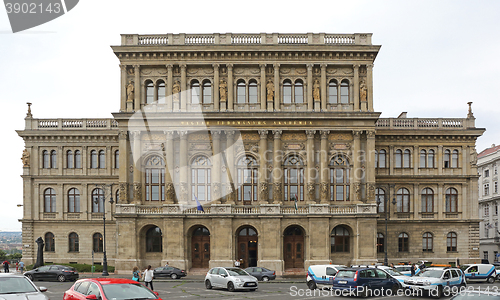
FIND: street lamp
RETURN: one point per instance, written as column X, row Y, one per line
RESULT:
column 386, row 207
column 96, row 201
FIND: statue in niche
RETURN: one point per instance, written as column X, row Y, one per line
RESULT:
column 176, row 90
column 316, row 95
column 223, row 90
column 362, row 91
column 270, row 90
column 26, row 158
column 130, row 91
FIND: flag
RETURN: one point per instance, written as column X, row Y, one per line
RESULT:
column 198, row 204
column 295, row 204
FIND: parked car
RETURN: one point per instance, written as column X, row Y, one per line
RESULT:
column 14, row 286
column 108, row 289
column 406, row 269
column 400, row 277
column 230, row 279
column 321, row 276
column 433, row 280
column 168, row 271
column 362, row 282
column 262, row 274
column 483, row 272
column 53, row 272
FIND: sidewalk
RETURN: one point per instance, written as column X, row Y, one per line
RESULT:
column 198, row 278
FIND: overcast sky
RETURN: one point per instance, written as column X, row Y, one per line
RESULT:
column 436, row 56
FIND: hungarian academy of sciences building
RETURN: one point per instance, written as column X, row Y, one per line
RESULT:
column 262, row 147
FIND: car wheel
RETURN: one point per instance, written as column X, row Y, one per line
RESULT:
column 208, row 285
column 29, row 276
column 230, row 286
column 490, row 279
column 364, row 293
column 61, row 278
column 394, row 289
column 173, row 276
column 311, row 285
column 265, row 278
column 439, row 292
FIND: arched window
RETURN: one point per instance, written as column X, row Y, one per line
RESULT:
column 287, row 92
column 241, row 92
column 339, row 179
column 454, row 159
column 423, row 158
column 160, row 90
column 73, row 200
column 207, row 92
column 399, row 158
column 248, row 175
column 427, row 200
column 78, row 159
column 344, row 91
column 149, row 92
column 451, row 200
column 154, row 240
column 403, row 242
column 406, row 159
column 93, row 159
column 97, row 242
column 46, row 159
column 97, row 200
column 74, row 243
column 200, row 178
column 70, row 163
column 339, row 239
column 430, row 159
column 49, row 196
column 380, row 197
column 102, row 160
column 195, row 92
column 427, row 242
column 155, row 178
column 299, row 92
column 451, row 242
column 117, row 159
column 49, row 242
column 446, row 159
column 294, row 178
column 332, row 91
column 380, row 159
column 252, row 92
column 403, row 200
column 380, row 243
column 53, row 159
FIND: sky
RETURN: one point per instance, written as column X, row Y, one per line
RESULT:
column 436, row 56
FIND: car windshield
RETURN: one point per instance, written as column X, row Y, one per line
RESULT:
column 127, row 291
column 430, row 273
column 345, row 274
column 237, row 272
column 12, row 285
column 393, row 272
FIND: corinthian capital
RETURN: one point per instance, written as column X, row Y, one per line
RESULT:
column 277, row 134
column 263, row 134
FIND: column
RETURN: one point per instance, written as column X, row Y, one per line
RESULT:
column 123, row 170
column 169, row 168
column 216, row 87
column 216, row 194
column 170, row 83
column 230, row 87
column 109, row 160
column 356, row 88
column 440, row 159
column 357, row 173
column 277, row 168
column 417, row 203
column 310, row 104
column 183, row 161
column 370, row 165
column 263, row 92
column 231, row 178
column 137, row 88
column 311, row 184
column 183, row 88
column 277, row 98
column 369, row 86
column 123, row 87
column 391, row 159
column 416, row 159
column 263, row 186
column 324, row 191
column 137, row 168
column 324, row 88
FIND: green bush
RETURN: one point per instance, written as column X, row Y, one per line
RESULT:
column 82, row 268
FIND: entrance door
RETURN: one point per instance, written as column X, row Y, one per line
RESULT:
column 247, row 247
column 200, row 248
column 293, row 243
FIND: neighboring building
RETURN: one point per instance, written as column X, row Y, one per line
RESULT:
column 488, row 162
column 291, row 120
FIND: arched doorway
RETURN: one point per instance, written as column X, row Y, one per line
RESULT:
column 293, row 248
column 247, row 247
column 200, row 247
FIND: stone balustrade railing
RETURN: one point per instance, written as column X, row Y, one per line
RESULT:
column 247, row 38
column 70, row 124
column 420, row 123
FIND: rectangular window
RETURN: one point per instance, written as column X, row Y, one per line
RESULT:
column 495, row 256
column 486, row 189
column 495, row 186
column 486, row 173
column 485, row 255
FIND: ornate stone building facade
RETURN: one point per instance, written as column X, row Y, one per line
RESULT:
column 264, row 147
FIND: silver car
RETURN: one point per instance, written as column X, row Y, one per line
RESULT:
column 230, row 279
column 14, row 286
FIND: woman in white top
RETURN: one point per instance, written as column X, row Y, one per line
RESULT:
column 148, row 277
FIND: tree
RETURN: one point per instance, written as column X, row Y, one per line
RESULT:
column 3, row 255
column 15, row 256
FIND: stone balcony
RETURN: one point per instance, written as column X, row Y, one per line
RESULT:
column 424, row 123
column 71, row 124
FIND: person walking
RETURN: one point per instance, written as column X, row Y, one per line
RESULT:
column 237, row 263
column 21, row 266
column 413, row 267
column 136, row 274
column 148, row 275
column 6, row 266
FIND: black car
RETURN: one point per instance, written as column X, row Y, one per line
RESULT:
column 261, row 274
column 53, row 272
column 168, row 271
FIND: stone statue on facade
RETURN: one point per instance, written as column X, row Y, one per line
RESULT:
column 130, row 91
column 316, row 92
column 263, row 191
column 362, row 91
column 26, row 158
column 176, row 89
column 371, row 191
column 324, row 191
column 123, row 192
column 170, row 191
column 311, row 191
column 277, row 192
column 39, row 253
column 270, row 90
column 223, row 90
column 137, row 192
column 357, row 190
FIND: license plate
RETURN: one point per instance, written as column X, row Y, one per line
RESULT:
column 251, row 284
column 343, row 282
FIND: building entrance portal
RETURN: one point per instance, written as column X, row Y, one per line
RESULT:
column 293, row 246
column 247, row 247
column 200, row 248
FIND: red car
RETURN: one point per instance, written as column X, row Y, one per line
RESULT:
column 109, row 289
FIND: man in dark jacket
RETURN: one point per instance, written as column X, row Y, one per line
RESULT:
column 6, row 266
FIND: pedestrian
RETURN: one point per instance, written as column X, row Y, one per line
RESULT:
column 392, row 265
column 17, row 266
column 21, row 266
column 136, row 274
column 166, row 265
column 6, row 266
column 413, row 270
column 237, row 263
column 148, row 275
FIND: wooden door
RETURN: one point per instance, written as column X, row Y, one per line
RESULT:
column 247, row 247
column 200, row 248
column 293, row 246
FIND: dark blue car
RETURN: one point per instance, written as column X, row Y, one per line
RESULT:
column 365, row 282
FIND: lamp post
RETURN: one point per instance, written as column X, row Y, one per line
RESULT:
column 386, row 207
column 96, row 201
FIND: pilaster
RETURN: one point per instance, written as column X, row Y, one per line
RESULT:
column 356, row 88
column 170, row 83
column 137, row 167
column 311, row 184
column 183, row 88
column 262, row 87
column 183, row 197
column 169, row 168
column 137, row 88
column 277, row 87
column 369, row 86
column 123, row 87
column 216, row 194
column 230, row 88
column 231, row 178
column 357, row 173
column 216, row 87
column 370, row 165
column 323, row 87
column 324, row 189
column 310, row 104
column 263, row 182
column 277, row 168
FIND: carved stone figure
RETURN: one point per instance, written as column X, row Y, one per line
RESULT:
column 39, row 253
column 26, row 158
column 137, row 192
column 176, row 88
column 123, row 192
column 263, row 191
column 324, row 191
column 223, row 90
column 29, row 115
column 184, row 192
column 362, row 91
column 229, row 193
column 277, row 192
column 170, row 191
column 357, row 190
column 270, row 90
column 371, row 191
column 130, row 91
column 216, row 190
column 311, row 191
column 316, row 94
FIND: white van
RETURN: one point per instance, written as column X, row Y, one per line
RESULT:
column 484, row 272
column 319, row 276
